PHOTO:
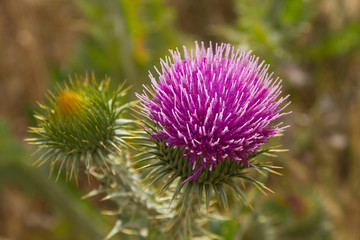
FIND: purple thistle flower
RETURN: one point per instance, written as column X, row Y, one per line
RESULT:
column 217, row 106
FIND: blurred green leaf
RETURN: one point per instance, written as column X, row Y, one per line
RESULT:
column 343, row 41
column 15, row 168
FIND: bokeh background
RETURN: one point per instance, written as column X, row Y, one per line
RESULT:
column 313, row 45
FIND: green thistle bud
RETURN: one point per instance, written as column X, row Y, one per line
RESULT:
column 81, row 124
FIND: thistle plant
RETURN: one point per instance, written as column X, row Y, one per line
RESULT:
column 81, row 124
column 207, row 116
column 205, row 121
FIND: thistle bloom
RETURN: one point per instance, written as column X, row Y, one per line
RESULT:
column 218, row 106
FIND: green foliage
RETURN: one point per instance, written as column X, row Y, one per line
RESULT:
column 15, row 169
column 300, row 215
column 120, row 36
column 10, row 149
column 270, row 28
column 337, row 43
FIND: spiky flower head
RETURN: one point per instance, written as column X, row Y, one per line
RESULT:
column 81, row 123
column 218, row 108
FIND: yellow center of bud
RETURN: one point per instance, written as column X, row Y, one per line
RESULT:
column 69, row 103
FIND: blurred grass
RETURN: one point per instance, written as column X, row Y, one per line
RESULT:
column 17, row 174
column 312, row 45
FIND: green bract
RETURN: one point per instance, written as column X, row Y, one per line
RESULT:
column 81, row 123
column 169, row 165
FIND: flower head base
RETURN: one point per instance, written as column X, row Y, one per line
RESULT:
column 220, row 107
column 81, row 124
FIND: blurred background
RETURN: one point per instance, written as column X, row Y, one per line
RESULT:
column 313, row 45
